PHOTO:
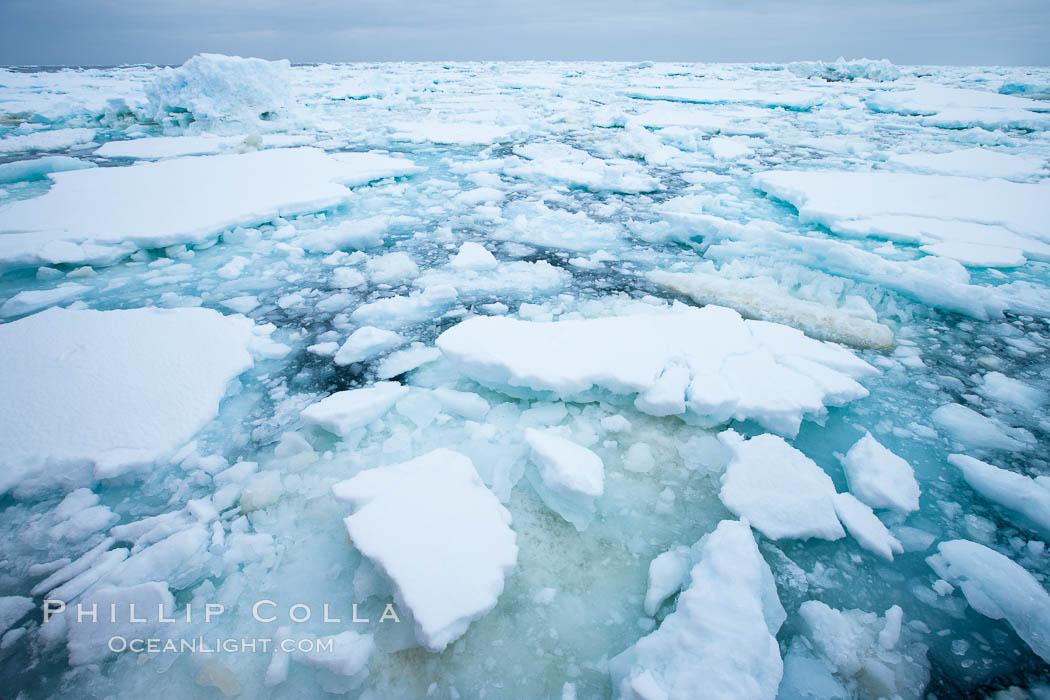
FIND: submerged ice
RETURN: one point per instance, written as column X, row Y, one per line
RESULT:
column 527, row 380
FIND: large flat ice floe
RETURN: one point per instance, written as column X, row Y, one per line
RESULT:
column 438, row 534
column 707, row 365
column 981, row 222
column 92, row 394
column 720, row 641
column 100, row 215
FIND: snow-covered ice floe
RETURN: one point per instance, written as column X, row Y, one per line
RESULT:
column 474, row 365
column 93, row 394
column 432, row 527
column 708, row 365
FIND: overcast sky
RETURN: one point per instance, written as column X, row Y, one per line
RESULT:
column 101, row 32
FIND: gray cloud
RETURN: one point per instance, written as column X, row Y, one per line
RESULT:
column 103, row 32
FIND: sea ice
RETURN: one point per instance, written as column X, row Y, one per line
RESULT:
column 432, row 527
column 720, row 641
column 999, row 588
column 93, row 394
column 100, row 215
column 571, row 477
column 1029, row 498
column 739, row 369
column 779, row 490
column 880, row 478
column 345, row 411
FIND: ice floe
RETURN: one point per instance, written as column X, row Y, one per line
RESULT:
column 736, row 369
column 720, row 640
column 432, row 527
column 94, row 394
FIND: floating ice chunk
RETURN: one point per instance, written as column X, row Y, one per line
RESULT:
column 975, row 430
column 51, row 140
column 755, row 298
column 537, row 224
column 458, row 133
column 136, row 614
column 40, row 168
column 862, row 523
column 99, row 215
column 397, row 363
column 347, row 659
column 880, row 70
column 394, row 312
column 473, row 256
column 973, row 162
column 518, row 278
column 212, row 89
column 463, row 403
column 12, row 609
column 241, row 305
column 391, row 268
column 866, row 652
column 880, row 478
column 1030, row 498
column 571, row 477
column 29, row 301
column 666, row 397
column 667, row 574
column 997, row 587
column 345, row 411
column 167, row 147
column 720, row 641
column 111, row 390
column 781, row 492
column 438, row 534
column 347, row 278
column 1012, row 392
column 358, row 234
column 729, row 148
column 563, row 163
column 740, row 369
column 365, row 343
column 639, row 458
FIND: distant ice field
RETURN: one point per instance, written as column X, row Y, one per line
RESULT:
column 525, row 380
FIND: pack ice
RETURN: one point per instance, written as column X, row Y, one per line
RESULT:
column 525, row 380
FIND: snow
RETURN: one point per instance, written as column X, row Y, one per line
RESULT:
column 863, row 525
column 438, row 534
column 100, row 215
column 1029, row 498
column 997, row 587
column 780, row 491
column 571, row 477
column 972, row 429
column 346, row 411
column 720, row 639
column 725, row 356
column 880, row 478
column 94, row 394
